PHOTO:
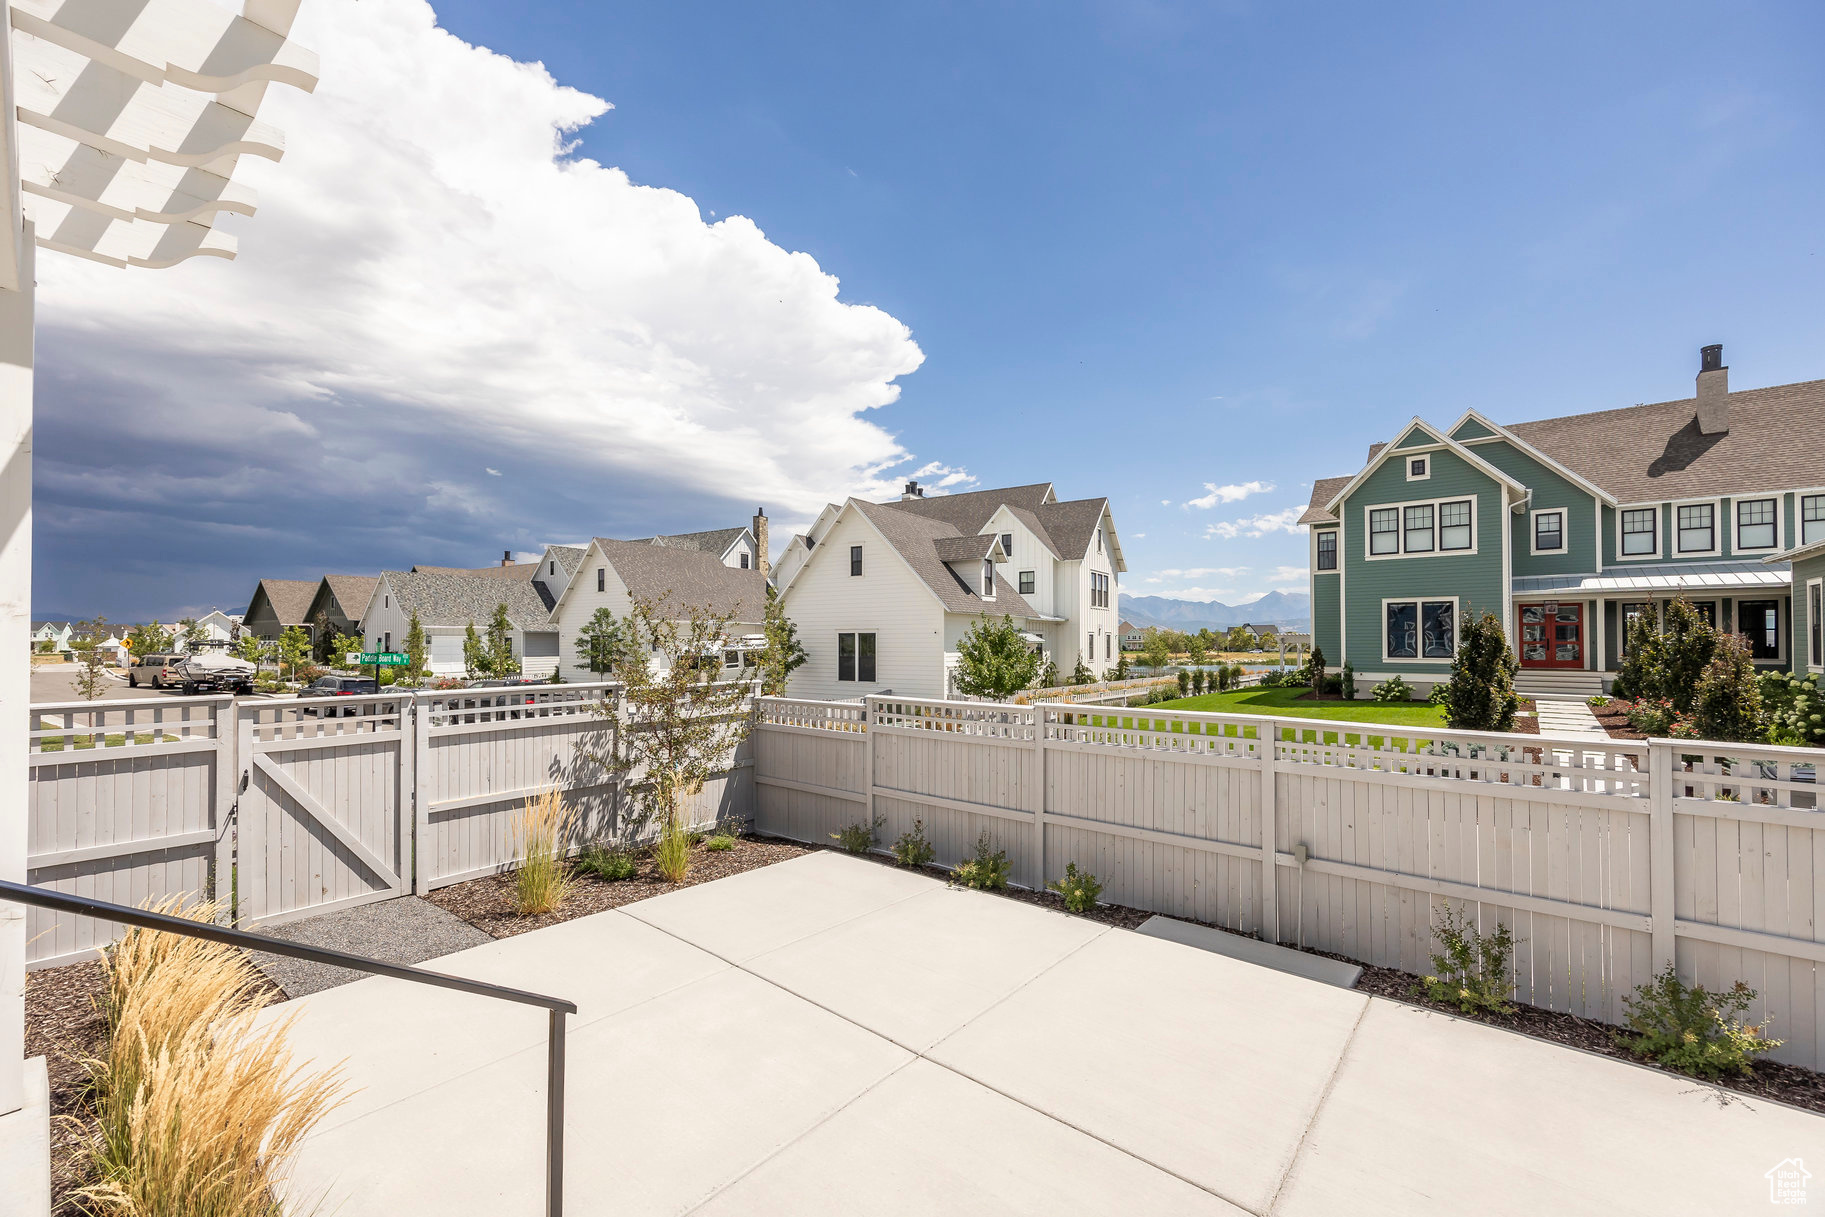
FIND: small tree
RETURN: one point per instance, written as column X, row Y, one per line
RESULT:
column 994, row 661
column 1081, row 674
column 1346, row 681
column 1155, row 650
column 1727, row 704
column 151, row 639
column 251, row 647
column 1121, row 666
column 294, row 649
column 342, row 645
column 417, row 653
column 682, row 727
column 1687, row 643
column 1184, row 683
column 91, row 678
column 1048, row 676
column 1314, row 670
column 784, row 654
column 501, row 661
column 475, row 655
column 1195, row 649
column 1480, row 694
column 1197, row 682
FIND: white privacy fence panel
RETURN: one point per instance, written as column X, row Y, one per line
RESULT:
column 122, row 806
column 1607, row 859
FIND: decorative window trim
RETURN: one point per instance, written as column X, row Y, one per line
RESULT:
column 1780, row 525
column 1533, row 531
column 1799, row 515
column 1418, row 603
column 1424, row 463
column 1400, row 510
column 1659, row 521
column 1318, row 539
column 1717, row 532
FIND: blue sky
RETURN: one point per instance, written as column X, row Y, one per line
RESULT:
column 1151, row 249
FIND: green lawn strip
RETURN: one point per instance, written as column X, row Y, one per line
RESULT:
column 1284, row 702
column 88, row 741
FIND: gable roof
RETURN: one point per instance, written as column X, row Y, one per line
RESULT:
column 971, row 511
column 518, row 570
column 568, row 557
column 716, row 541
column 1497, row 431
column 1399, row 444
column 290, row 598
column 351, row 591
column 1650, row 453
column 915, row 537
column 967, row 548
column 678, row 577
column 456, row 598
column 1324, row 490
column 1072, row 524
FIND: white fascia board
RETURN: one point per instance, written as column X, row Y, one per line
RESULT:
column 1595, row 491
column 1444, row 441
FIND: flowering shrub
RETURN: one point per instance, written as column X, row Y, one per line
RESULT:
column 1472, row 972
column 1794, row 707
column 1393, row 689
column 1652, row 715
column 1693, row 1030
column 1079, row 888
column 988, row 870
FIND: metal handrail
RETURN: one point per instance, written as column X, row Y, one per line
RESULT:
column 557, row 1007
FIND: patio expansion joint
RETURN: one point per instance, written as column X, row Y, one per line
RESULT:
column 1324, row 1097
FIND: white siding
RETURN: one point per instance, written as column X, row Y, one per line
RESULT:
column 1030, row 553
column 581, row 604
column 743, row 545
column 887, row 599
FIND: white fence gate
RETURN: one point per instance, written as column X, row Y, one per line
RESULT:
column 1608, row 859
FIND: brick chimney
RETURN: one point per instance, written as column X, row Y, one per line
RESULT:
column 506, row 557
column 760, row 540
column 1713, row 390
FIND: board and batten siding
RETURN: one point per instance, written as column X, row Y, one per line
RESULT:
column 1030, row 553
column 887, row 599
column 1474, row 578
column 581, row 603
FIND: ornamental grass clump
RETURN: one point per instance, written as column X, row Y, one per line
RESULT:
column 198, row 1112
column 1472, row 972
column 672, row 851
column 1693, row 1030
column 540, row 829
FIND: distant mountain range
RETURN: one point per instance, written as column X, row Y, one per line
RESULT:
column 1163, row 612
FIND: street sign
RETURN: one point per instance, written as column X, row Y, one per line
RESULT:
column 394, row 659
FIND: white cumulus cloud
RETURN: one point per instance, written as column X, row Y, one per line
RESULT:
column 1233, row 493
column 1256, row 526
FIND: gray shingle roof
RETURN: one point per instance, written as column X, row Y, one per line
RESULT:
column 352, row 592
column 679, row 577
column 290, row 598
column 518, row 570
column 456, row 598
column 1776, row 441
column 715, row 542
column 1323, row 491
column 964, row 549
column 1071, row 525
column 968, row 513
column 915, row 537
column 567, row 557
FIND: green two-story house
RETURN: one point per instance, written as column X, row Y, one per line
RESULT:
column 1568, row 528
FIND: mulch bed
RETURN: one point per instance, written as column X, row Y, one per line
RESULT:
column 1614, row 717
column 487, row 903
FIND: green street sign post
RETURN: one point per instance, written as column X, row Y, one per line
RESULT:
column 392, row 659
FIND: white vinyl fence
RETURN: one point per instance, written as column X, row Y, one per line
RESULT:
column 287, row 808
column 1607, row 858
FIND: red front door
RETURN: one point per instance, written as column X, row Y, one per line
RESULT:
column 1551, row 634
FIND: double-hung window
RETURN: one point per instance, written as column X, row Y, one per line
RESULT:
column 601, row 578
column 1815, row 607
column 1327, row 551
column 1640, row 532
column 1007, row 544
column 1755, row 523
column 855, row 559
column 1026, row 583
column 1549, row 532
column 988, row 579
column 1421, row 629
column 1812, row 518
column 855, row 657
column 1099, row 590
column 1416, row 532
column 1384, row 530
column 1697, row 528
column 1454, row 530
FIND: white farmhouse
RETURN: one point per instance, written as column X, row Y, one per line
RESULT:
column 882, row 593
column 447, row 604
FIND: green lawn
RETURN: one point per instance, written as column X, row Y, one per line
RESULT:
column 114, row 740
column 1293, row 703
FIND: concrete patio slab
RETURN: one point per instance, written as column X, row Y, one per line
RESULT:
column 1202, row 1065
column 803, row 896
column 1434, row 1114
column 917, row 970
column 1253, row 950
column 928, row 1141
column 666, row 1103
column 404, row 930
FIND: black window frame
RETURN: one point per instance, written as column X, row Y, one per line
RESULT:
column 1429, row 528
column 856, row 653
column 1815, row 608
column 1007, row 543
column 1375, row 533
column 855, row 561
column 1558, row 546
column 1421, row 616
column 744, row 559
column 601, row 578
column 1814, row 503
column 1772, row 523
column 1469, row 525
column 1760, row 648
column 1327, row 551
column 1419, row 468
column 1681, row 528
column 1027, row 582
column 988, row 578
column 1652, row 532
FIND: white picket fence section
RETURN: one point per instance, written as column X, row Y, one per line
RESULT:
column 1607, row 859
column 287, row 808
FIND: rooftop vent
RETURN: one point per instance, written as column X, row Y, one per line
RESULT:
column 1713, row 390
column 913, row 491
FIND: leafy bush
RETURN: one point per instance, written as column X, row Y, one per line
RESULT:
column 1472, row 972
column 1392, row 689
column 1793, row 707
column 1727, row 705
column 994, row 661
column 1440, row 693
column 912, row 849
column 988, row 870
column 1184, row 683
column 1079, row 888
column 1274, row 678
column 1652, row 716
column 1481, row 694
column 1665, row 662
column 1197, row 683
column 539, row 828
column 1346, row 681
column 1081, row 674
column 1693, row 1030
column 719, row 843
column 1599, row 701
column 608, row 863
column 859, row 838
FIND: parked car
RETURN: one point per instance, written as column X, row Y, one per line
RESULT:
column 159, row 671
column 339, row 686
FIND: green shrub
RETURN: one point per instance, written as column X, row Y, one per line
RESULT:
column 1392, row 689
column 912, row 849
column 1441, row 692
column 1653, row 716
column 1079, row 888
column 1693, row 1030
column 1314, row 671
column 1184, row 683
column 859, row 838
column 1727, row 704
column 1665, row 662
column 720, row 842
column 1598, row 702
column 609, row 863
column 1481, row 694
column 1472, row 971
column 1197, row 683
column 988, row 870
column 1793, row 708
column 1346, row 681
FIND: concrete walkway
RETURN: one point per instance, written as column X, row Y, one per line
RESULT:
column 830, row 1036
column 1564, row 716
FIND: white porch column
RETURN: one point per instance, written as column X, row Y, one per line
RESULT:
column 15, row 656
column 1603, row 635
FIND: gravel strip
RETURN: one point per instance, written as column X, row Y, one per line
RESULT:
column 402, row 930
